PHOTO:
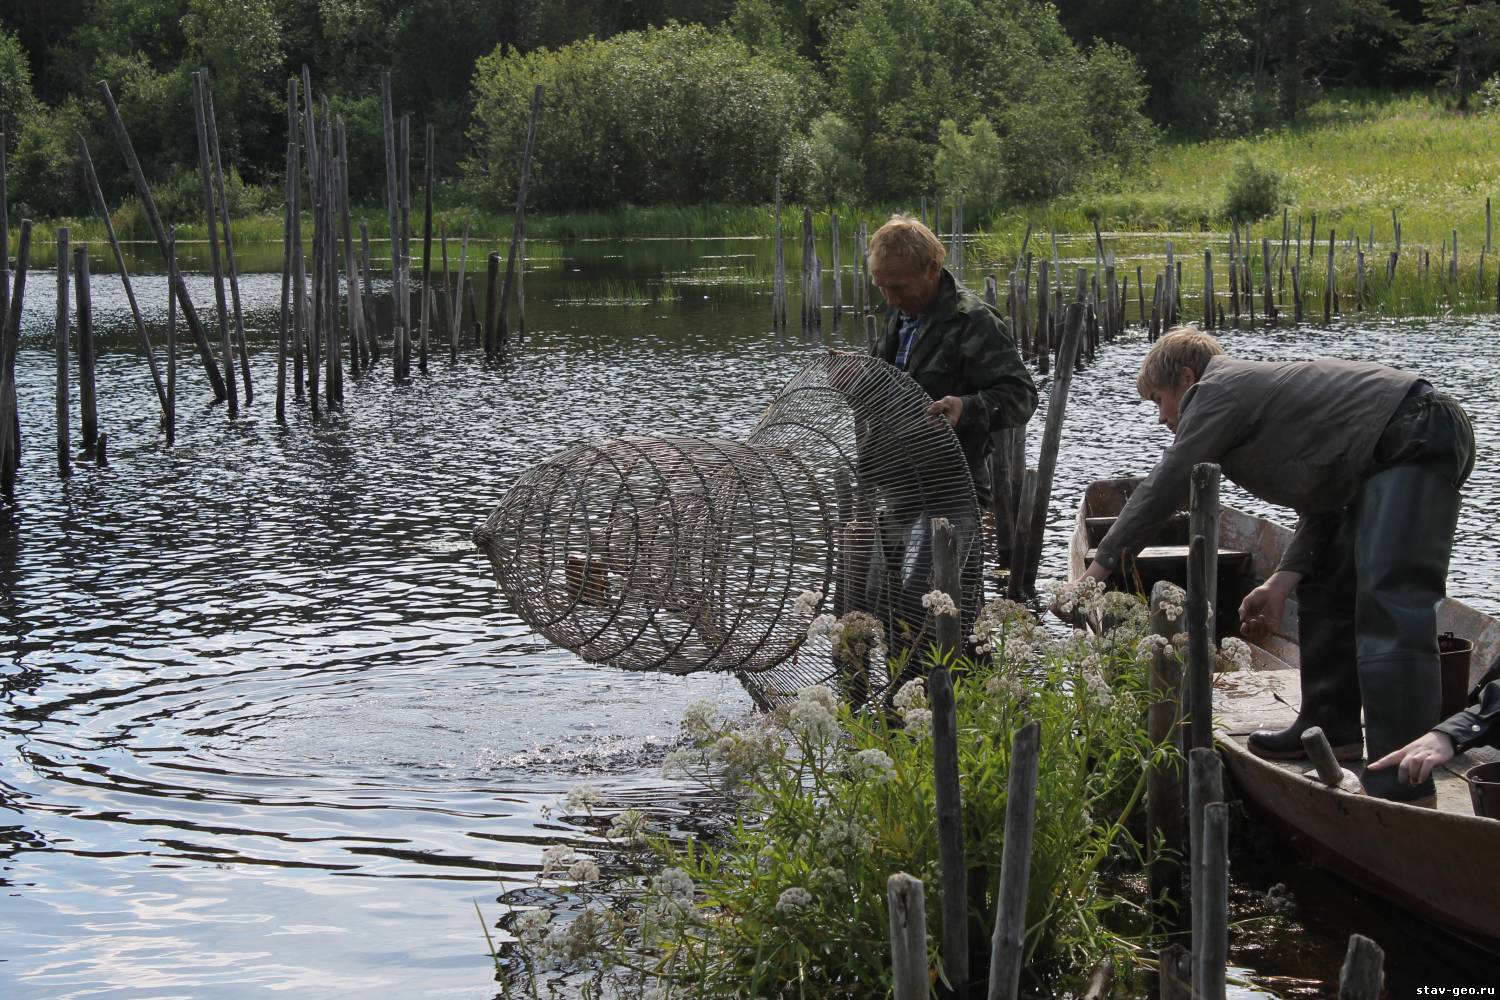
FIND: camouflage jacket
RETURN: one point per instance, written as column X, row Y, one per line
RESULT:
column 963, row 349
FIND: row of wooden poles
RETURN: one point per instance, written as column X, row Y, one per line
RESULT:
column 313, row 322
column 1035, row 310
column 1179, row 715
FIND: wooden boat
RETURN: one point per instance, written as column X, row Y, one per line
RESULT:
column 1440, row 864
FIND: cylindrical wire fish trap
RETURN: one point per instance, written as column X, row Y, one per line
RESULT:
column 681, row 554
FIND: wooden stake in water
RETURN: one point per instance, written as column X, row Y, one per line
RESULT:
column 1281, row 271
column 458, row 294
column 234, row 273
column 372, row 337
column 1265, row 279
column 359, row 352
column 1008, row 944
column 10, row 426
column 1202, row 596
column 838, row 279
column 301, row 316
column 392, row 192
column 1067, row 360
column 4, row 234
column 1210, row 960
column 170, row 415
column 518, row 227
column 1328, row 282
column 148, row 205
column 1205, row 788
column 491, row 305
column 60, row 345
column 102, row 210
column 1208, row 289
column 205, row 167
column 88, row 398
column 288, row 221
column 778, row 270
column 426, row 251
column 1362, row 975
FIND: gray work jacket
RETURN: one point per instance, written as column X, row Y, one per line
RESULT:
column 1475, row 724
column 1300, row 434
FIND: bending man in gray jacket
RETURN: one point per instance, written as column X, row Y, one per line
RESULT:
column 1372, row 460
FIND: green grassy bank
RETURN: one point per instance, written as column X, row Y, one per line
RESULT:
column 1350, row 159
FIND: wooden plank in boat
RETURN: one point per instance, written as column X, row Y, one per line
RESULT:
column 1158, row 555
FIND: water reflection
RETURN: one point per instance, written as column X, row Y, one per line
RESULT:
column 267, row 723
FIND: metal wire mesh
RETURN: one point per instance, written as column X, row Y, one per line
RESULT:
column 682, row 554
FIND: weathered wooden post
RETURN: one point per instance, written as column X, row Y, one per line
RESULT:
column 491, row 306
column 170, row 413
column 205, row 166
column 359, row 350
column 392, row 196
column 1208, row 289
column 1359, row 281
column 1328, row 281
column 946, row 574
column 1202, row 597
column 1281, row 270
column 1008, row 944
column 148, row 205
column 4, row 234
column 1164, row 781
column 1170, row 313
column 372, row 335
column 458, row 295
column 1211, row 955
column 778, row 270
column 1297, row 292
column 908, row 915
column 284, row 324
column 60, row 345
column 1175, row 973
column 1265, row 280
column 88, row 399
column 1158, row 308
column 1362, row 975
column 229, row 257
column 838, row 274
column 302, row 324
column 102, row 209
column 1205, row 787
column 426, row 252
column 1234, row 270
column 518, row 228
column 1052, row 437
column 10, row 426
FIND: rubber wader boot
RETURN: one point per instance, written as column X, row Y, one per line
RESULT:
column 1405, row 535
column 1330, row 681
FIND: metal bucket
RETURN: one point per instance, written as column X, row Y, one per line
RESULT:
column 1454, row 654
column 1484, row 789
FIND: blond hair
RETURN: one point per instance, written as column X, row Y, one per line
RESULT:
column 905, row 239
column 1180, row 347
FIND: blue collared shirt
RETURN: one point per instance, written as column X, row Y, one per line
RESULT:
column 907, row 331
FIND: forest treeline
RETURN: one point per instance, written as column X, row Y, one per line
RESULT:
column 653, row 101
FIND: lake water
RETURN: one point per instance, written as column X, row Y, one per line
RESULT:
column 267, row 723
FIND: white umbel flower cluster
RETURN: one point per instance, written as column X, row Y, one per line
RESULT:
column 940, row 602
column 807, row 602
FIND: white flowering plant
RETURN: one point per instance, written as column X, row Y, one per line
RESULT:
column 830, row 801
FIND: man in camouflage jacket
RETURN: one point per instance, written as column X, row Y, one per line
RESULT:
column 950, row 341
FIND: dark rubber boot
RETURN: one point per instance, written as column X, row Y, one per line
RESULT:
column 1403, row 541
column 1330, row 680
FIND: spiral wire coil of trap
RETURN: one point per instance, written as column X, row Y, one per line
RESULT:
column 684, row 554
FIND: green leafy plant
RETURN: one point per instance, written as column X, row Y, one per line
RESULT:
column 1254, row 192
column 831, row 801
